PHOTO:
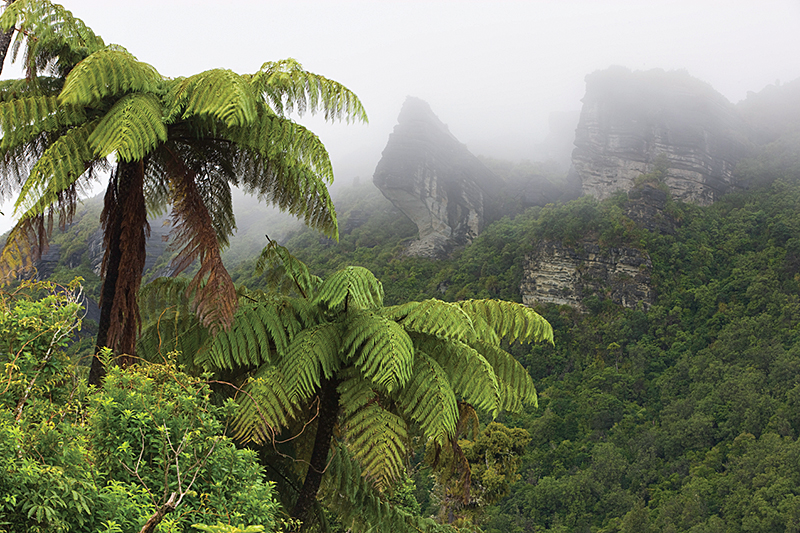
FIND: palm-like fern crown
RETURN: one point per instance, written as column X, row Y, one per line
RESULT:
column 415, row 365
column 192, row 137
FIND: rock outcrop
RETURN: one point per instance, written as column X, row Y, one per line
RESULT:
column 563, row 275
column 629, row 119
column 432, row 178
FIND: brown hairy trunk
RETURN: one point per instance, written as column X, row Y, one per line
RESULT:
column 125, row 228
column 328, row 414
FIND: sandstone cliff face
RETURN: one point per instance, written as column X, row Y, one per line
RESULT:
column 554, row 273
column 432, row 178
column 630, row 118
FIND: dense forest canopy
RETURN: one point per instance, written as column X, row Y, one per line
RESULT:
column 362, row 389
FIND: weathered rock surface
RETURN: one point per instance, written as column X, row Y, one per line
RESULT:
column 630, row 118
column 647, row 207
column 554, row 273
column 432, row 178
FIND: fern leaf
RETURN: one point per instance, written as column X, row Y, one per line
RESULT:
column 285, row 270
column 288, row 87
column 428, row 399
column 471, row 376
column 214, row 294
column 312, row 355
column 360, row 507
column 219, row 94
column 264, row 407
column 56, row 171
column 21, row 248
column 510, row 320
column 509, row 371
column 256, row 332
column 350, row 288
column 287, row 183
column 108, row 72
column 378, row 439
column 23, row 119
column 131, row 128
column 380, row 349
column 53, row 38
column 433, row 317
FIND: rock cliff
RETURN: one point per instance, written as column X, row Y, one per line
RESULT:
column 563, row 275
column 432, row 178
column 629, row 119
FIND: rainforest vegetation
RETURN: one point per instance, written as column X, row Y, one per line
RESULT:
column 360, row 389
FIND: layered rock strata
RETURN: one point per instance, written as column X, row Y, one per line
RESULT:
column 563, row 275
column 630, row 119
column 434, row 180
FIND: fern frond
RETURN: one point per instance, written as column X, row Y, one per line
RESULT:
column 108, row 72
column 56, row 171
column 53, row 38
column 471, row 375
column 24, row 88
column 512, row 321
column 24, row 245
column 433, row 317
column 160, row 294
column 288, row 87
column 292, row 186
column 312, row 355
column 23, row 119
column 131, row 128
column 380, row 349
column 219, row 94
column 283, row 141
column 360, row 507
column 173, row 331
column 378, row 439
column 285, row 270
column 214, row 294
column 350, row 288
column 428, row 399
column 509, row 371
column 265, row 406
column 256, row 337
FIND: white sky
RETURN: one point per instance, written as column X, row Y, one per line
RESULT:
column 491, row 70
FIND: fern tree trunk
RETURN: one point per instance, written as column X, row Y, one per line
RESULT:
column 328, row 414
column 125, row 229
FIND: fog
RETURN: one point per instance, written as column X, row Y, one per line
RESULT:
column 493, row 71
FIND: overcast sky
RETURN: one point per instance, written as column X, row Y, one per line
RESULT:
column 492, row 70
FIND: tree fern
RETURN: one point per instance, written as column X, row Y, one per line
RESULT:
column 380, row 349
column 510, row 320
column 108, row 72
column 509, row 371
column 290, row 88
column 428, row 399
column 378, row 440
column 58, row 168
column 469, row 373
column 433, row 317
column 265, row 406
column 131, row 128
column 312, row 356
column 354, row 287
column 219, row 94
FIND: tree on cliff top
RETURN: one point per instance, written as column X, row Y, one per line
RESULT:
column 181, row 142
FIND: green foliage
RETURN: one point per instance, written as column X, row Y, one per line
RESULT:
column 396, row 370
column 80, row 459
